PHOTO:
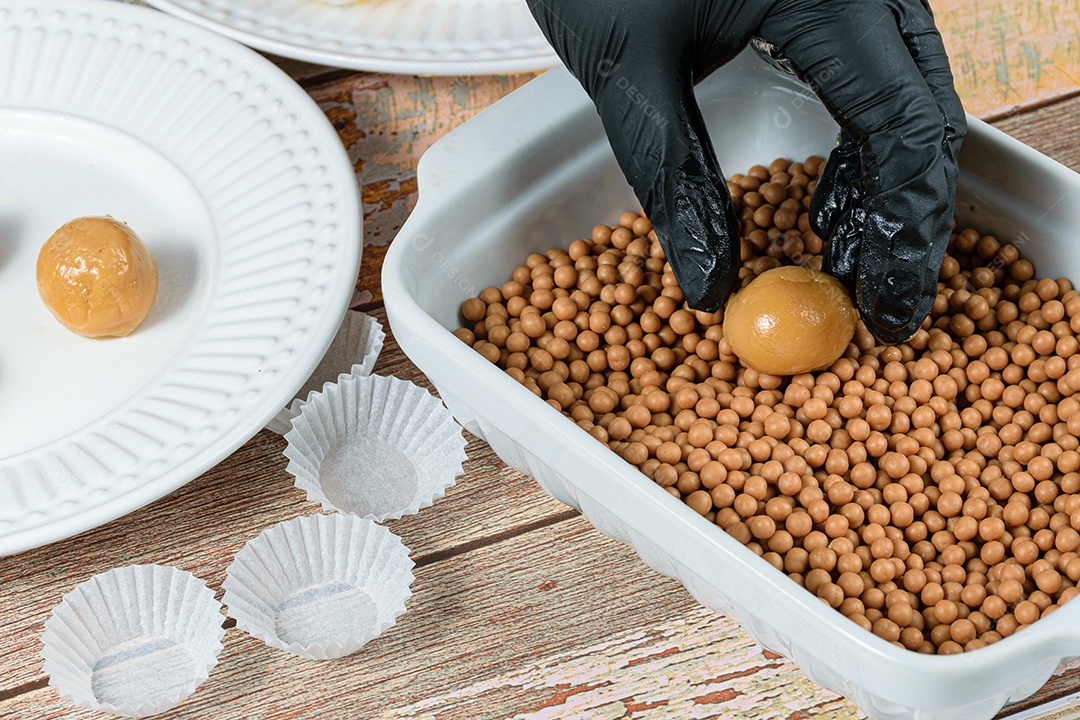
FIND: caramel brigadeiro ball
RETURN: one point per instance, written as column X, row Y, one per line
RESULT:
column 97, row 277
column 790, row 320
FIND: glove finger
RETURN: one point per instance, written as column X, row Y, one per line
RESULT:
column 720, row 29
column 669, row 160
column 928, row 51
column 637, row 61
column 841, row 254
column 838, row 193
column 839, row 187
column 852, row 53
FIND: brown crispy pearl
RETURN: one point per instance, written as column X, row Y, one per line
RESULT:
column 929, row 491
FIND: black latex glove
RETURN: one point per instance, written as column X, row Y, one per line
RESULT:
column 884, row 202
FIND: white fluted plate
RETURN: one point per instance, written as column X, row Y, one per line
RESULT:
column 244, row 194
column 421, row 37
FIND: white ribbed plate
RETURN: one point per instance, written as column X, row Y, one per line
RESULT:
column 245, row 195
column 422, row 37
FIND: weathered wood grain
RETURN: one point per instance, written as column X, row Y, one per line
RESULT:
column 201, row 526
column 387, row 122
column 1007, row 55
column 557, row 622
column 1065, row 682
column 669, row 670
column 251, row 492
column 545, row 621
column 1053, row 130
column 1064, row 709
column 520, row 610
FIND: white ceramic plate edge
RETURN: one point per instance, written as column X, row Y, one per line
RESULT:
column 544, row 58
column 246, row 426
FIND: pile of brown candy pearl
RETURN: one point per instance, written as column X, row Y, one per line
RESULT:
column 929, row 491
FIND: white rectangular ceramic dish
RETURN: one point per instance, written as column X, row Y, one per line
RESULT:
column 535, row 169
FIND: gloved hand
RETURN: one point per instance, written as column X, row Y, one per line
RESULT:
column 885, row 199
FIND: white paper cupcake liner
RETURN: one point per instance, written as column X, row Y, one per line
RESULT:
column 134, row 641
column 355, row 349
column 321, row 586
column 377, row 447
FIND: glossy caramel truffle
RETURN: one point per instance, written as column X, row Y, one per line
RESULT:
column 790, row 320
column 97, row 277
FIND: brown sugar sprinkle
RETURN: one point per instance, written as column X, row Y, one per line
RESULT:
column 929, row 491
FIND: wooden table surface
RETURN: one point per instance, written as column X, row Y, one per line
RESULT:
column 520, row 609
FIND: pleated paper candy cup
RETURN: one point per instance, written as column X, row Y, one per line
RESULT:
column 355, row 350
column 320, row 587
column 134, row 641
column 377, row 447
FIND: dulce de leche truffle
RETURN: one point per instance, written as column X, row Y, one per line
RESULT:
column 790, row 320
column 97, row 277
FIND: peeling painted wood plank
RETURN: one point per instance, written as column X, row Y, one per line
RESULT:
column 697, row 666
column 1008, row 55
column 202, row 525
column 1064, row 682
column 234, row 494
column 1005, row 55
column 541, row 649
column 1066, row 709
column 1053, row 131
column 557, row 623
column 544, row 625
column 387, row 122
